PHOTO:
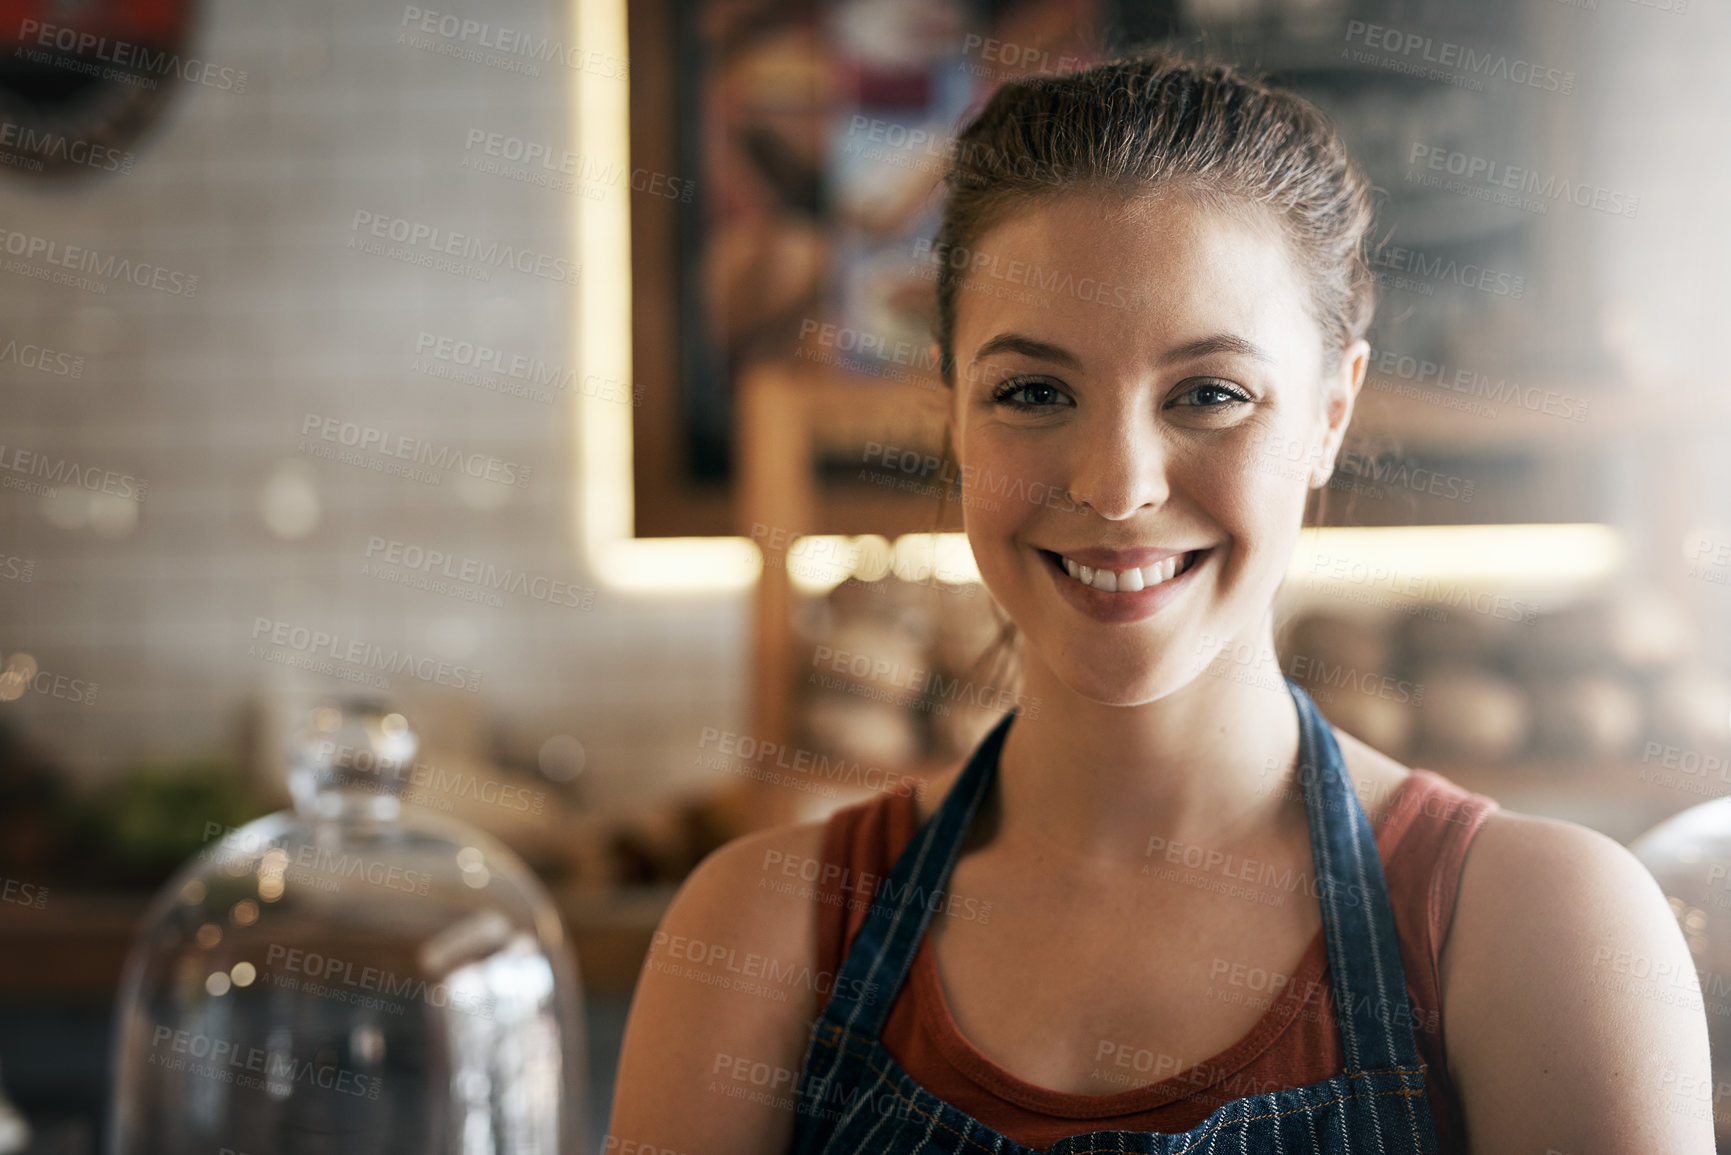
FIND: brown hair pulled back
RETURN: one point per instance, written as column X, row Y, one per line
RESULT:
column 1151, row 122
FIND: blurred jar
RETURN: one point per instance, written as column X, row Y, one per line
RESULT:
column 1690, row 856
column 345, row 977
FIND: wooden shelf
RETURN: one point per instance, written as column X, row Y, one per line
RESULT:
column 1426, row 416
column 790, row 414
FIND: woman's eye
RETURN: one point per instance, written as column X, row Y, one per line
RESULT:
column 1029, row 395
column 1217, row 394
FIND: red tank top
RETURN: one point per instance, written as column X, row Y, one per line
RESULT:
column 1422, row 840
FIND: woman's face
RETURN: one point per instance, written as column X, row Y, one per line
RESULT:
column 1139, row 390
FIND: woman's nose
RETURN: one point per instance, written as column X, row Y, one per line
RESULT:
column 1119, row 472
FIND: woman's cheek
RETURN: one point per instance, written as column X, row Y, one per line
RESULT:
column 996, row 483
column 1269, row 478
column 1266, row 519
column 996, row 512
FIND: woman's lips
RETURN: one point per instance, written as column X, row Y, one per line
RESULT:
column 1119, row 578
column 1126, row 579
column 1118, row 604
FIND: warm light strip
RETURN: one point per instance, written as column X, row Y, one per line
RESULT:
column 820, row 562
column 1540, row 553
column 601, row 343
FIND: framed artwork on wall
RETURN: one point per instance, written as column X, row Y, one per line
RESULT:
column 791, row 155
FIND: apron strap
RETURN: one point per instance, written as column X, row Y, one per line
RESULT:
column 1358, row 920
column 883, row 953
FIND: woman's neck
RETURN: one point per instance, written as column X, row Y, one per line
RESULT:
column 1207, row 766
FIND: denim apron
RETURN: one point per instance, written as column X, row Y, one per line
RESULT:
column 854, row 1098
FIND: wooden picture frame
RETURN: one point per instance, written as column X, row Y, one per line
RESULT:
column 670, row 501
column 797, row 221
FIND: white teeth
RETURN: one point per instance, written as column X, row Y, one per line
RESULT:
column 1124, row 581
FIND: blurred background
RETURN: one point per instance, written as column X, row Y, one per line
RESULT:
column 560, row 372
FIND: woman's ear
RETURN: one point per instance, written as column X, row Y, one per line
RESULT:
column 1339, row 393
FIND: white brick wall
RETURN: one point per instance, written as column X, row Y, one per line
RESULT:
column 204, row 397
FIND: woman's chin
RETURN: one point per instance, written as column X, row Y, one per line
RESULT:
column 1122, row 684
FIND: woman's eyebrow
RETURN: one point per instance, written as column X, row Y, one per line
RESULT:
column 1027, row 347
column 1217, row 343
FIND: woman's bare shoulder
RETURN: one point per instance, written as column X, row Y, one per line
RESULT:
column 725, row 1001
column 1571, row 1004
column 732, row 871
column 755, row 892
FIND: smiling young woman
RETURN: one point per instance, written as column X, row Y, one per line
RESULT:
column 1168, row 910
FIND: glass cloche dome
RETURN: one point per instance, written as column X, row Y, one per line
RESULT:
column 350, row 976
column 1690, row 856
